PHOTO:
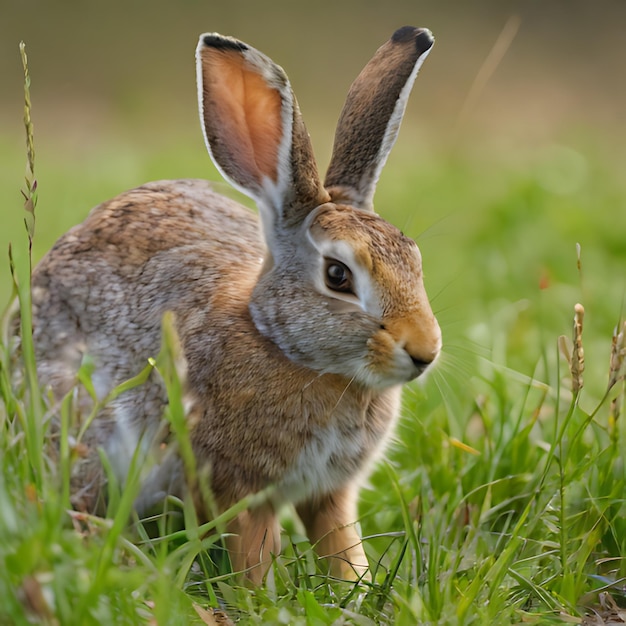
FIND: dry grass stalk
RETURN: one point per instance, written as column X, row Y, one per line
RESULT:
column 577, row 364
column 608, row 613
column 490, row 64
column 618, row 352
column 30, row 194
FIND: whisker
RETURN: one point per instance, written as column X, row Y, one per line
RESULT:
column 343, row 393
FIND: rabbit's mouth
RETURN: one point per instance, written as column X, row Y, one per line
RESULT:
column 420, row 367
column 399, row 353
column 408, row 367
column 425, row 358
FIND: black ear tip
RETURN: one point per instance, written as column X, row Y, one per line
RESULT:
column 213, row 40
column 422, row 37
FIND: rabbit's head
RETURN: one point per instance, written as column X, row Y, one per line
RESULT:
column 340, row 290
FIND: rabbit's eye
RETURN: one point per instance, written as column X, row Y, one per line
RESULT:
column 338, row 276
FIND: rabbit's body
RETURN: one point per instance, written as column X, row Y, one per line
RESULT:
column 295, row 344
column 190, row 240
column 140, row 252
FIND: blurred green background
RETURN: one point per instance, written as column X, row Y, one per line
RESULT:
column 512, row 150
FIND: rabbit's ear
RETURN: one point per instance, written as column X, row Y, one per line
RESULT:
column 370, row 119
column 254, row 131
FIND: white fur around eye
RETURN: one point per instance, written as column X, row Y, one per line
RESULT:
column 365, row 293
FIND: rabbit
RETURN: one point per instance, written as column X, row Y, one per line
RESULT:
column 297, row 329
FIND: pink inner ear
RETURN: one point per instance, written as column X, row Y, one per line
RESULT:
column 242, row 114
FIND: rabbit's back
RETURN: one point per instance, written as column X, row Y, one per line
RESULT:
column 103, row 288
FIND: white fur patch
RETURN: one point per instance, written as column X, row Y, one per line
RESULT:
column 321, row 466
column 122, row 444
column 335, row 456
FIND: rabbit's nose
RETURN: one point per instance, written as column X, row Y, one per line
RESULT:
column 418, row 335
column 424, row 347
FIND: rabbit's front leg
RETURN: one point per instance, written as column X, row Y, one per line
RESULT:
column 329, row 521
column 254, row 536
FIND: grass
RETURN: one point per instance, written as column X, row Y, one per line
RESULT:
column 502, row 499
